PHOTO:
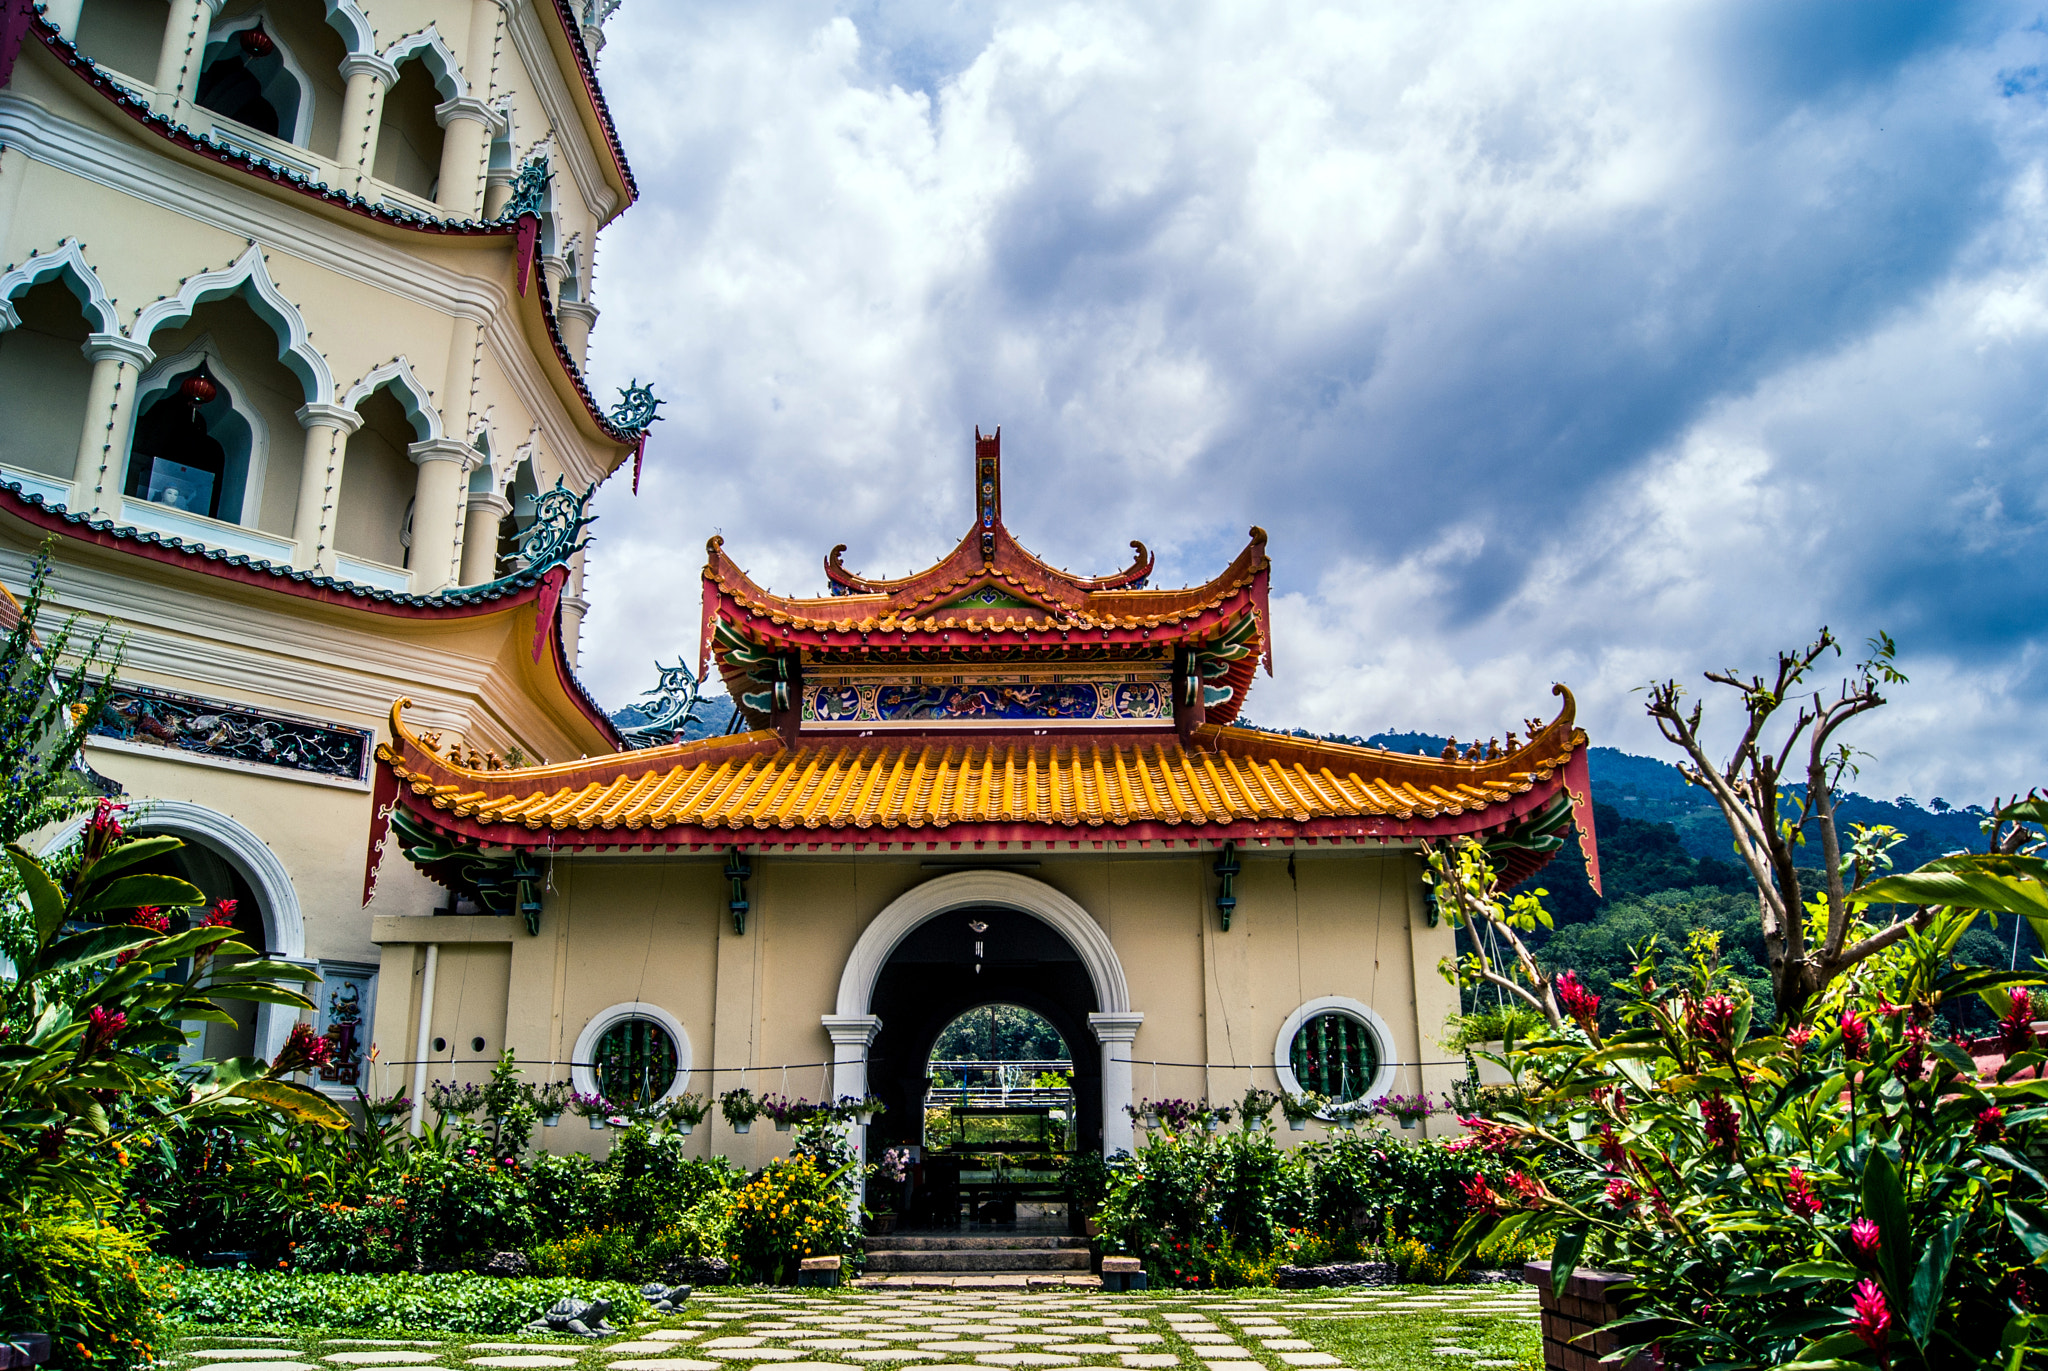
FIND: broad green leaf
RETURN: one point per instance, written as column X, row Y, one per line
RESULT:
column 230, row 1071
column 1884, row 1199
column 129, row 854
column 1818, row 1271
column 295, row 1100
column 2026, row 1225
column 1564, row 1257
column 96, row 946
column 262, row 993
column 132, row 892
column 2006, row 1158
column 267, row 970
column 1930, row 1280
column 1958, row 890
column 190, row 941
column 46, row 900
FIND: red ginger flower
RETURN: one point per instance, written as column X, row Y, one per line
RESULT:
column 1799, row 1196
column 1873, row 1318
column 1990, row 1125
column 221, row 915
column 1529, row 1190
column 1713, row 1018
column 1864, row 1235
column 1577, row 1001
column 303, row 1049
column 102, row 1029
column 1493, row 1137
column 1611, row 1149
column 1482, row 1196
column 2016, row 1029
column 1855, row 1035
column 1799, row 1037
column 1721, row 1119
column 150, row 917
column 1622, row 1195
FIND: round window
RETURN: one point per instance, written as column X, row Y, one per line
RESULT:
column 635, row 1062
column 1334, row 1055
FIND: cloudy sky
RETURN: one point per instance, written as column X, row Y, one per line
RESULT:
column 1581, row 342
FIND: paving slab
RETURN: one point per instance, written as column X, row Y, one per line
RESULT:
column 237, row 1353
column 390, row 1356
column 530, row 1362
column 257, row 1366
column 1308, row 1359
column 662, row 1364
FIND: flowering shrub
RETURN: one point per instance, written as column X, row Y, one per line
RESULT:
column 792, row 1208
column 1846, row 1192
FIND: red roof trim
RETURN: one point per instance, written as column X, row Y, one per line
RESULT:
column 588, row 69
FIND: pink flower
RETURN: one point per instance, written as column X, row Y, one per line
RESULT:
column 1990, row 1124
column 1863, row 1233
column 1721, row 1119
column 2016, row 1029
column 1493, row 1137
column 1577, row 1001
column 1873, row 1319
column 1799, row 1196
column 1912, row 1064
column 102, row 1029
column 1529, row 1190
column 150, row 917
column 1713, row 1018
column 1800, row 1037
column 221, row 915
column 1622, row 1195
column 1855, row 1035
column 1482, row 1197
column 303, row 1050
column 1611, row 1150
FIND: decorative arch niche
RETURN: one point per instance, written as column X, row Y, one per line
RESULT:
column 229, row 420
column 67, row 264
column 269, row 92
column 249, row 278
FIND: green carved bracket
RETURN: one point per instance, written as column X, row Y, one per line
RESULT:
column 500, row 883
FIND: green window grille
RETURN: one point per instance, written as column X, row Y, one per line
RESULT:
column 1335, row 1055
column 635, row 1062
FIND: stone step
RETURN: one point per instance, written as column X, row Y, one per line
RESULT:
column 998, row 1242
column 890, row 1261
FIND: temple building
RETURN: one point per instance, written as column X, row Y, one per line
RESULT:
column 991, row 782
column 294, row 299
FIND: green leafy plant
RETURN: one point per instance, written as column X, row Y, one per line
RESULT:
column 400, row 1303
column 739, row 1107
column 88, row 1283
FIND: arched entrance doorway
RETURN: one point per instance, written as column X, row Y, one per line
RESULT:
column 986, row 1143
column 1056, row 960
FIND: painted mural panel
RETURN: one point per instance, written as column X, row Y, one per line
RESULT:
column 1015, row 700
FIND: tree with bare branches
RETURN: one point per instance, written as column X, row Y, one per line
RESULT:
column 1791, row 737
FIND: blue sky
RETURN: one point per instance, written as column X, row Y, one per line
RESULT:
column 1591, row 343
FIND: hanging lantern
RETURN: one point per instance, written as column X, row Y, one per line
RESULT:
column 199, row 388
column 256, row 42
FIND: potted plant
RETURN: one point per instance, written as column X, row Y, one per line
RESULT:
column 685, row 1112
column 1217, row 1119
column 1301, row 1107
column 452, row 1098
column 596, row 1108
column 865, row 1109
column 391, row 1108
column 740, row 1109
column 1409, row 1109
column 1176, row 1114
column 549, row 1101
column 784, row 1112
column 1255, row 1110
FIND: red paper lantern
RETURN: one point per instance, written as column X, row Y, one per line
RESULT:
column 199, row 389
column 256, row 42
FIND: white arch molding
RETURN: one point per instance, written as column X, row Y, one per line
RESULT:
column 302, row 112
column 67, row 264
column 1357, row 1012
column 155, row 383
column 433, row 50
column 249, row 278
column 584, row 1076
column 412, row 395
column 853, row 1025
column 284, row 926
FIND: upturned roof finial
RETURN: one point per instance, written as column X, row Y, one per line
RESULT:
column 988, row 487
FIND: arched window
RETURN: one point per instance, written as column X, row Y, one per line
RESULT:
column 409, row 138
column 250, row 77
column 572, row 273
column 192, row 447
column 1337, row 1048
column 44, row 378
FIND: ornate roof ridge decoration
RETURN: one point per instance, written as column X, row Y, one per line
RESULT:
column 988, row 555
column 938, row 790
column 505, row 593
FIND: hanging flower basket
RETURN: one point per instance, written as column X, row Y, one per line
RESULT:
column 550, row 1120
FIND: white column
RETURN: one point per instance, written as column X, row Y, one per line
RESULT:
column 369, row 79
column 465, row 139
column 63, row 15
column 487, row 511
column 1117, row 1033
column 437, row 510
column 179, row 58
column 851, row 1036
column 117, row 365
column 574, row 607
column 327, row 430
column 497, row 192
column 424, row 1039
column 576, row 320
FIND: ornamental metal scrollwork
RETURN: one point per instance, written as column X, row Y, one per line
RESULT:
column 676, row 695
column 499, row 884
column 636, row 408
column 559, row 519
column 529, row 190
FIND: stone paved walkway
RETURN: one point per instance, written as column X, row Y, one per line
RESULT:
column 998, row 1327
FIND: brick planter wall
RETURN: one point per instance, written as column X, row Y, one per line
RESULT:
column 1572, row 1336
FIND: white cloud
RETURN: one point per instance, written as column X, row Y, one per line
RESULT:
column 1583, row 343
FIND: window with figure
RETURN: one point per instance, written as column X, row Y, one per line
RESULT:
column 1335, row 1055
column 247, row 79
column 191, row 449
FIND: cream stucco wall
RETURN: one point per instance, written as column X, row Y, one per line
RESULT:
column 655, row 929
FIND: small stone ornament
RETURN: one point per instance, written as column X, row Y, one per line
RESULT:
column 666, row 1299
column 507, row 1264
column 585, row 1318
